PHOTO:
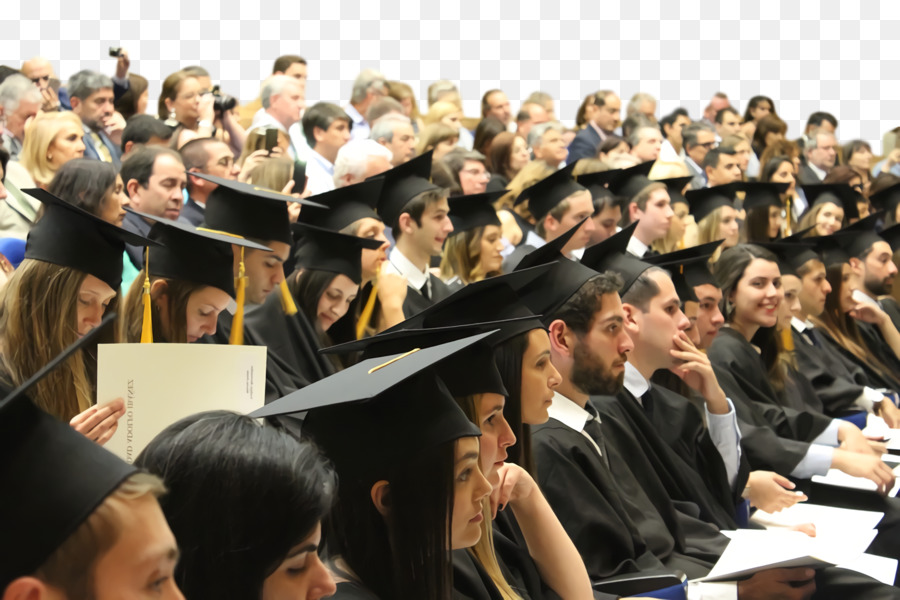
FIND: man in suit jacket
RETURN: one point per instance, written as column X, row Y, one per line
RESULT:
column 820, row 153
column 698, row 138
column 211, row 157
column 91, row 95
column 602, row 118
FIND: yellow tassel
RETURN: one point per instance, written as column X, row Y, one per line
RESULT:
column 287, row 301
column 787, row 340
column 366, row 315
column 787, row 219
column 237, row 324
column 147, row 325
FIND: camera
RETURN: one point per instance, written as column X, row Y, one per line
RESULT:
column 115, row 52
column 222, row 102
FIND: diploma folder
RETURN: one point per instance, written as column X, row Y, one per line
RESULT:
column 163, row 383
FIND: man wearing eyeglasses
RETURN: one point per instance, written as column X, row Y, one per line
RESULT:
column 698, row 139
column 40, row 72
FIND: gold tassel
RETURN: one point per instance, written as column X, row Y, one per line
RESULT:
column 366, row 315
column 237, row 324
column 787, row 339
column 147, row 325
column 287, row 301
column 787, row 218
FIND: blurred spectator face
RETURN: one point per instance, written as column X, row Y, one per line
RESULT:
column 473, row 178
column 498, row 106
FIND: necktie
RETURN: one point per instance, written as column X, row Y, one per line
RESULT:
column 647, row 403
column 810, row 335
column 594, row 431
column 102, row 150
column 425, row 291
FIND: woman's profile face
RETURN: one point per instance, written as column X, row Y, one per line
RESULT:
column 203, row 308
column 729, row 228
column 335, row 301
column 519, row 155
column 762, row 109
column 443, row 148
column 785, row 174
column 829, row 218
column 491, row 246
column 470, row 488
column 496, row 434
column 776, row 220
column 112, row 207
column 301, row 575
column 371, row 260
column 187, row 100
column 68, row 144
column 94, row 296
column 790, row 306
column 846, row 291
column 539, row 378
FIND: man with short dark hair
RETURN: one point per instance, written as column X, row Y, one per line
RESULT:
column 144, row 130
column 602, row 115
column 292, row 66
column 671, row 127
column 821, row 155
column 91, row 96
column 821, row 120
column 370, row 85
column 494, row 103
column 728, row 122
column 698, row 138
column 720, row 166
column 326, row 127
column 209, row 156
column 530, row 115
column 717, row 102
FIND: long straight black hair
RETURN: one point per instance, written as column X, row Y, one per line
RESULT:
column 406, row 555
column 508, row 356
column 240, row 496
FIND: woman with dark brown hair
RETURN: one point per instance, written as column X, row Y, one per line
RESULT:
column 769, row 130
column 508, row 154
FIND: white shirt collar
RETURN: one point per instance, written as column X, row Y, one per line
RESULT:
column 799, row 325
column 263, row 119
column 351, row 111
column 819, row 172
column 534, row 240
column 637, row 247
column 414, row 277
column 635, row 382
column 568, row 413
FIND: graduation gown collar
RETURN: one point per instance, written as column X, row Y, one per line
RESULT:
column 635, row 383
column 568, row 413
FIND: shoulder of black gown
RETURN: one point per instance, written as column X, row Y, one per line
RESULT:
column 515, row 559
column 470, row 580
column 349, row 590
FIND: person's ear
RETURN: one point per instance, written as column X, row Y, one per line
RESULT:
column 633, row 212
column 196, row 182
column 128, row 146
column 170, row 104
column 406, row 223
column 633, row 319
column 550, row 224
column 159, row 289
column 26, row 588
column 561, row 338
column 74, row 102
column 381, row 497
column 131, row 187
column 856, row 265
column 318, row 134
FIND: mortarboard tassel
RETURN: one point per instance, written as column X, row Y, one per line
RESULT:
column 366, row 315
column 287, row 301
column 787, row 219
column 237, row 323
column 787, row 340
column 147, row 324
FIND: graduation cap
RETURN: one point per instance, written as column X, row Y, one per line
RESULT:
column 381, row 411
column 675, row 187
column 474, row 210
column 892, row 236
column 887, row 199
column 327, row 250
column 611, row 254
column 71, row 237
column 344, row 206
column 53, row 477
column 839, row 194
column 706, row 200
column 560, row 282
column 689, row 268
column 596, row 182
column 632, row 180
column 544, row 195
column 248, row 210
column 793, row 251
column 858, row 237
column 830, row 249
column 401, row 184
column 760, row 194
column 196, row 255
column 466, row 373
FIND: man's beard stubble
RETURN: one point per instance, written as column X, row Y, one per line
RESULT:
column 591, row 376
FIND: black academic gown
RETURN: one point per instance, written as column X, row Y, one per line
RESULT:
column 889, row 305
column 837, row 381
column 470, row 580
column 292, row 360
column 617, row 527
column 877, row 345
column 731, row 352
column 415, row 302
column 515, row 560
column 875, row 377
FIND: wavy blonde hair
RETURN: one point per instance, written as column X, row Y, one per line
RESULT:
column 462, row 257
column 38, row 320
column 39, row 135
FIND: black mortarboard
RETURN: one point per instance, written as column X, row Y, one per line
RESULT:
column 381, row 411
column 596, row 182
column 193, row 254
column 611, row 254
column 759, row 194
column 706, row 200
column 401, row 184
column 53, row 477
column 675, row 187
column 632, row 180
column 474, row 210
column 793, row 251
column 689, row 268
column 830, row 249
column 840, row 194
column 327, row 250
column 248, row 210
column 859, row 237
column 887, row 199
column 557, row 285
column 71, row 237
column 544, row 195
column 344, row 206
column 892, row 236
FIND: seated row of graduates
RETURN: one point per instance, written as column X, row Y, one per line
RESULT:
column 636, row 481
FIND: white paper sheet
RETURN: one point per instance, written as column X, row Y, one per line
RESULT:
column 829, row 520
column 840, row 479
column 879, row 568
column 754, row 550
column 162, row 383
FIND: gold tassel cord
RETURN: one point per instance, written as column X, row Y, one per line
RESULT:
column 787, row 217
column 787, row 339
column 237, row 323
column 147, row 324
column 287, row 301
column 366, row 315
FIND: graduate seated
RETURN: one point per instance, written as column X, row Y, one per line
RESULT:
column 272, row 489
column 472, row 250
column 649, row 205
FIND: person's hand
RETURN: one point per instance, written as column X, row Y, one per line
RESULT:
column 392, row 289
column 890, row 413
column 867, row 312
column 251, row 162
column 892, row 159
column 123, row 63
column 853, row 440
column 771, row 492
column 807, row 528
column 114, row 125
column 99, row 422
column 779, row 584
column 696, row 371
column 207, row 109
column 861, row 465
column 514, row 485
column 50, row 100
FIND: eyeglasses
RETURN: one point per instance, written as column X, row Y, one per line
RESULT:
column 477, row 173
column 40, row 79
column 708, row 145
